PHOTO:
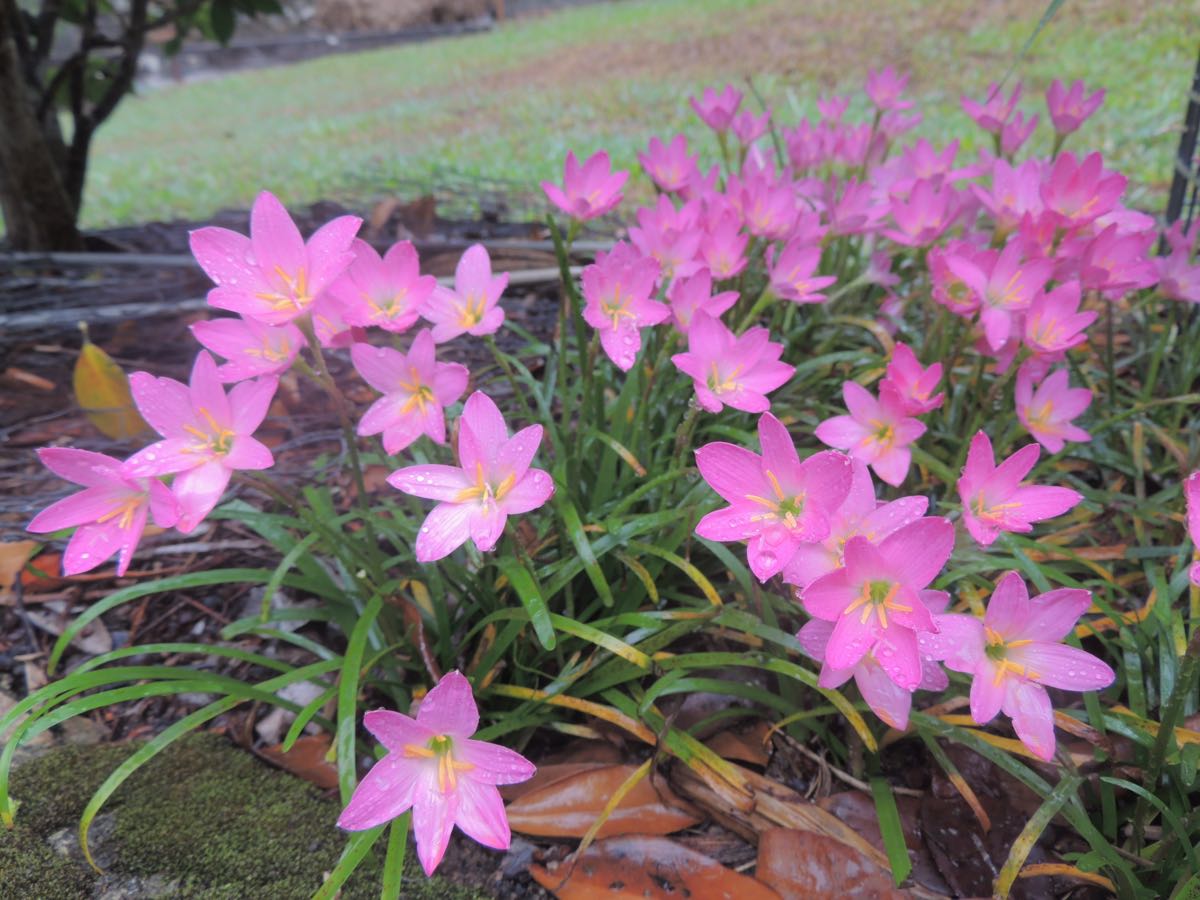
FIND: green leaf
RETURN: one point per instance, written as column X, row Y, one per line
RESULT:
column 891, row 829
column 347, row 711
column 357, row 847
column 393, row 863
column 569, row 516
column 530, row 594
column 1033, row 829
column 223, row 19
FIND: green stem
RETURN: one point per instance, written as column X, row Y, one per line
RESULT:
column 1110, row 355
column 684, row 438
column 764, row 300
column 490, row 340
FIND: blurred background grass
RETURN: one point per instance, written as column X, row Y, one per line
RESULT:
column 506, row 105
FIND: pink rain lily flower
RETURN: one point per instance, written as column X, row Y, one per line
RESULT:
column 994, row 498
column 616, row 289
column 1015, row 653
column 1113, row 263
column 995, row 111
column 1053, row 322
column 108, row 515
column 748, row 127
column 1191, row 491
column 1016, row 192
column 717, row 110
column 1078, row 192
column 1005, row 282
column 884, row 87
column 913, row 382
column 949, row 289
column 859, row 514
column 251, row 348
column 1178, row 279
column 492, row 482
column 669, row 165
column 207, row 435
column 671, row 236
column 875, row 600
column 767, row 204
column 588, row 191
column 473, row 306
column 1016, row 132
column 728, row 370
column 832, row 108
column 1046, row 410
column 1070, row 108
column 924, row 215
column 435, row 768
column 415, row 387
column 723, row 247
column 693, row 294
column 384, row 291
column 776, row 502
column 792, row 272
column 273, row 275
column 888, row 700
column 877, row 431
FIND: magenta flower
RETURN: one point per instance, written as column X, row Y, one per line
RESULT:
column 415, row 389
column 1079, row 192
column 949, row 289
column 767, row 204
column 434, row 768
column 1053, row 322
column 748, row 127
column 1070, row 108
column 723, row 247
column 669, row 165
column 884, row 87
column 1191, row 491
column 588, row 191
column 493, row 482
column 913, row 382
column 855, row 210
column 717, row 110
column 1016, row 132
column 108, row 515
column 833, row 107
column 473, row 306
column 1178, row 279
column 671, row 236
column 207, row 435
column 388, row 291
column 273, row 275
column 1005, row 282
column 994, row 498
column 1047, row 410
column 859, row 514
column 1016, row 192
column 693, row 294
column 995, row 111
column 1113, row 263
column 791, row 273
column 877, row 431
column 1015, row 653
column 924, row 215
column 616, row 289
column 874, row 601
column 776, row 502
column 728, row 370
column 251, row 348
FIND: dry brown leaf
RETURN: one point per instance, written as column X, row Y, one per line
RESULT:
column 801, row 865
column 569, row 806
column 52, row 617
column 544, row 777
column 306, row 759
column 21, row 376
column 102, row 391
column 13, row 556
column 744, row 744
column 647, row 867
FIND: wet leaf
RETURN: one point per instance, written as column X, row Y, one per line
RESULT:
column 102, row 392
column 307, row 759
column 743, row 744
column 801, row 865
column 645, row 867
column 569, row 806
column 13, row 556
column 546, row 776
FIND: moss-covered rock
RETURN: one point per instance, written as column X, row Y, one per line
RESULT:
column 203, row 812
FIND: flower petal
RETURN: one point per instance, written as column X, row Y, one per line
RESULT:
column 887, row 699
column 395, row 730
column 987, row 691
column 917, row 552
column 732, row 471
column 449, row 708
column 1028, row 705
column 431, row 482
column 1062, row 666
column 481, row 814
column 444, row 530
column 493, row 763
column 274, row 236
column 384, row 793
column 529, row 493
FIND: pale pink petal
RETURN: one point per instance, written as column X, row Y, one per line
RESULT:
column 473, row 274
column 227, row 258
column 275, row 238
column 487, row 524
column 432, row 422
column 164, row 507
column 249, row 402
column 481, row 814
column 981, row 461
column 198, row 491
column 842, row 432
column 514, row 455
column 778, row 450
column 958, row 641
column 830, row 677
column 81, row 466
column 987, row 691
column 534, row 489
column 449, row 707
column 444, row 530
column 933, row 676
column 490, row 323
column 1012, row 471
column 1062, row 666
column 826, row 479
column 408, row 428
column 80, row 508
column 384, row 413
column 887, row 699
column 733, row 523
column 380, row 367
column 889, row 517
column 898, row 656
column 207, row 392
column 892, row 465
column 859, row 401
column 1008, row 608
column 851, row 640
column 164, row 403
column 482, row 418
column 1039, row 502
column 918, row 551
column 493, row 764
column 128, row 539
column 814, row 637
column 1028, row 705
column 395, row 730
column 384, row 793
column 248, row 453
column 732, row 471
column 828, row 596
column 449, row 382
column 329, row 251
column 431, row 482
column 808, row 563
column 164, row 458
column 90, row 546
column 1052, row 616
column 434, row 813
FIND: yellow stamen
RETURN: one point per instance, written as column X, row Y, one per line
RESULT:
column 125, row 510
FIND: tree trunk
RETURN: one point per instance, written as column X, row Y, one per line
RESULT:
column 38, row 212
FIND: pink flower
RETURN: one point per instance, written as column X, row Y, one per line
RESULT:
column 1015, row 193
column 1015, row 653
column 386, row 291
column 1178, row 279
column 730, row 370
column 251, row 347
column 669, row 165
column 207, row 435
column 1113, row 263
column 884, row 87
column 723, row 247
column 776, row 502
column 1069, row 108
column 875, row 599
column 1016, row 132
column 855, row 210
column 273, row 275
column 748, row 127
column 616, row 289
column 671, row 236
column 877, row 432
column 1191, row 490
column 588, row 191
column 888, row 700
column 859, row 514
column 476, row 499
column 791, row 273
column 434, row 767
column 993, row 114
column 767, row 204
column 913, row 382
column 1053, row 323
column 473, row 306
column 693, row 294
column 1047, row 410
column 930, row 208
column 415, row 390
column 109, row 515
column 832, row 108
column 1006, row 283
column 717, row 110
column 994, row 498
column 949, row 288
column 1079, row 192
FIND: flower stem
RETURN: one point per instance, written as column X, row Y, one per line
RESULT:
column 490, row 340
column 684, row 438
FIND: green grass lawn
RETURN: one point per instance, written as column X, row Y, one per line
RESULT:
column 508, row 104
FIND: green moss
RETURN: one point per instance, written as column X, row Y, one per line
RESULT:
column 202, row 811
